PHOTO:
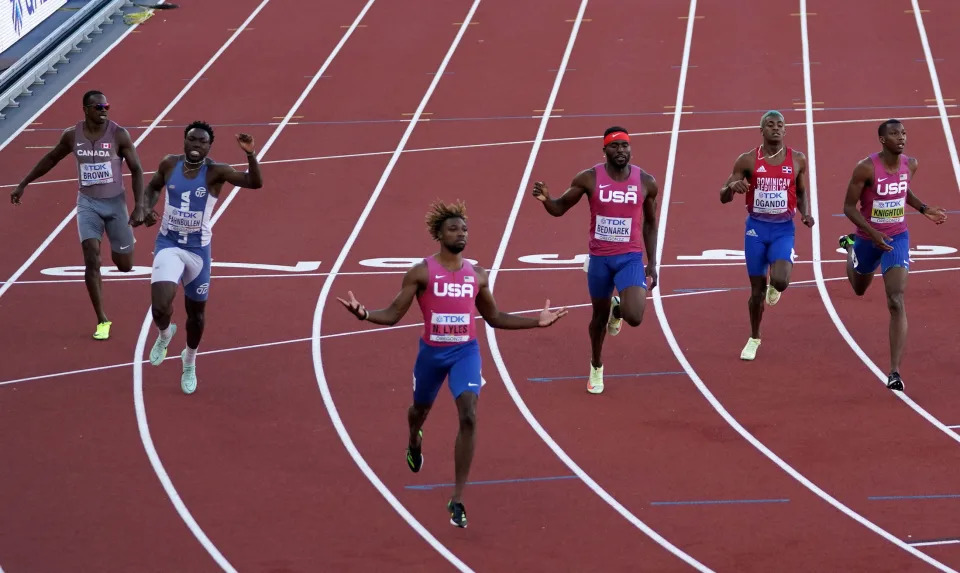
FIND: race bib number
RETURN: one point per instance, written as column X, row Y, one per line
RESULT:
column 449, row 327
column 180, row 221
column 769, row 202
column 887, row 210
column 96, row 173
column 612, row 229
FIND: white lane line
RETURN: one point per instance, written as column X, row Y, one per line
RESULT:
column 138, row 398
column 678, row 352
column 66, row 220
column 491, row 333
column 938, row 93
column 505, row 143
column 818, row 269
column 322, row 382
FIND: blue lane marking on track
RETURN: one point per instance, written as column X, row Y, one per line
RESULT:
column 718, row 501
column 928, row 542
column 491, row 482
column 425, row 487
column 636, row 374
column 724, row 289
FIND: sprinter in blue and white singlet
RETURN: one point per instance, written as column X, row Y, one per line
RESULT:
column 182, row 251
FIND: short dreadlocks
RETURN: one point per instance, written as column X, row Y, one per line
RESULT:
column 440, row 212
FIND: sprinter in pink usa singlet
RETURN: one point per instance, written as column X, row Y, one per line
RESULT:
column 449, row 290
column 616, row 215
column 876, row 201
column 447, row 304
column 623, row 221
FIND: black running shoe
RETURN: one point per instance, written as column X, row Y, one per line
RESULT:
column 415, row 456
column 458, row 513
column 894, row 382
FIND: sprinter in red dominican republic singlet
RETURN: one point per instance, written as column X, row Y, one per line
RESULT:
column 772, row 179
column 773, row 189
column 448, row 304
column 771, row 203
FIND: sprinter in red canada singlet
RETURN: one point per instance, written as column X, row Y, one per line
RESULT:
column 881, row 185
column 623, row 220
column 773, row 180
column 448, row 288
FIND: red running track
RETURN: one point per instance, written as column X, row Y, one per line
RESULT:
column 253, row 454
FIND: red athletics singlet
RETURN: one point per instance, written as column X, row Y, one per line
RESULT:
column 772, row 195
column 447, row 304
column 883, row 201
column 616, row 213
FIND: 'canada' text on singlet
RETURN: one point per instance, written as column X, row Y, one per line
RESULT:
column 98, row 164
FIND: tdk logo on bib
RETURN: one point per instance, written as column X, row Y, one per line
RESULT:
column 451, row 319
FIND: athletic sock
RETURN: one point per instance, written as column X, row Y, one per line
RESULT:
column 190, row 357
column 166, row 334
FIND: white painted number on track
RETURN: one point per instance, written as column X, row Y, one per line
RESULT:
column 548, row 259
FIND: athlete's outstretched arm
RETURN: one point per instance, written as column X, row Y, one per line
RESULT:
column 413, row 281
column 652, row 190
column 497, row 319
column 582, row 184
column 249, row 179
column 862, row 173
column 63, row 148
column 935, row 214
column 738, row 181
column 803, row 198
column 152, row 192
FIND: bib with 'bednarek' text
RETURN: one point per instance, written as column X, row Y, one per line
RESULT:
column 612, row 229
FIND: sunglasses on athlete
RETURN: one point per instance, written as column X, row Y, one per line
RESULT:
column 99, row 106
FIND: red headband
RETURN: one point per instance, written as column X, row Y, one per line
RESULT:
column 615, row 136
